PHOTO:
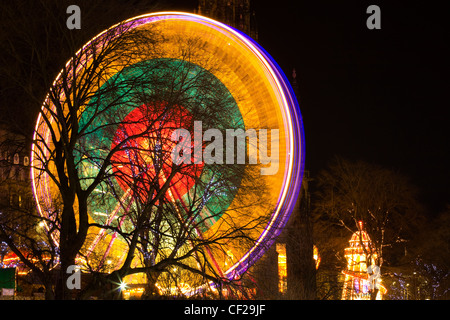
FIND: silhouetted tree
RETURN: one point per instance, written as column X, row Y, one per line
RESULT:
column 386, row 202
column 85, row 109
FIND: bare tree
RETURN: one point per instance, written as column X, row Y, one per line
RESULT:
column 85, row 109
column 425, row 271
column 385, row 201
column 27, row 56
column 21, row 227
column 169, row 206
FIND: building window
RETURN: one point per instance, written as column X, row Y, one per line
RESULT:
column 16, row 158
column 282, row 267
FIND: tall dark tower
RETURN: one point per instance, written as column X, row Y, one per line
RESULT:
column 236, row 13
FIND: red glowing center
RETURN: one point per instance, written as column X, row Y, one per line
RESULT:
column 143, row 163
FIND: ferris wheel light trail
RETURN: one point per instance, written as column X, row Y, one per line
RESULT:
column 270, row 104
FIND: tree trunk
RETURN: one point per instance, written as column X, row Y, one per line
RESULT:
column 373, row 294
column 151, row 291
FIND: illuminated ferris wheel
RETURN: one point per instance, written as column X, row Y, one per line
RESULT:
column 204, row 77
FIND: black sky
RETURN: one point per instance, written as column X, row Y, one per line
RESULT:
column 373, row 95
column 376, row 95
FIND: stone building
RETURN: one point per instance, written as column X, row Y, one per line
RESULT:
column 236, row 13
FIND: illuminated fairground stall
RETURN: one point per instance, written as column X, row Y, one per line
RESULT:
column 361, row 273
column 255, row 94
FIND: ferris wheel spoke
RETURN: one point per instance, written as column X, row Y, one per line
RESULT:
column 172, row 190
column 111, row 218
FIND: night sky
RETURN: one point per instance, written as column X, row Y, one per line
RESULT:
column 373, row 95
